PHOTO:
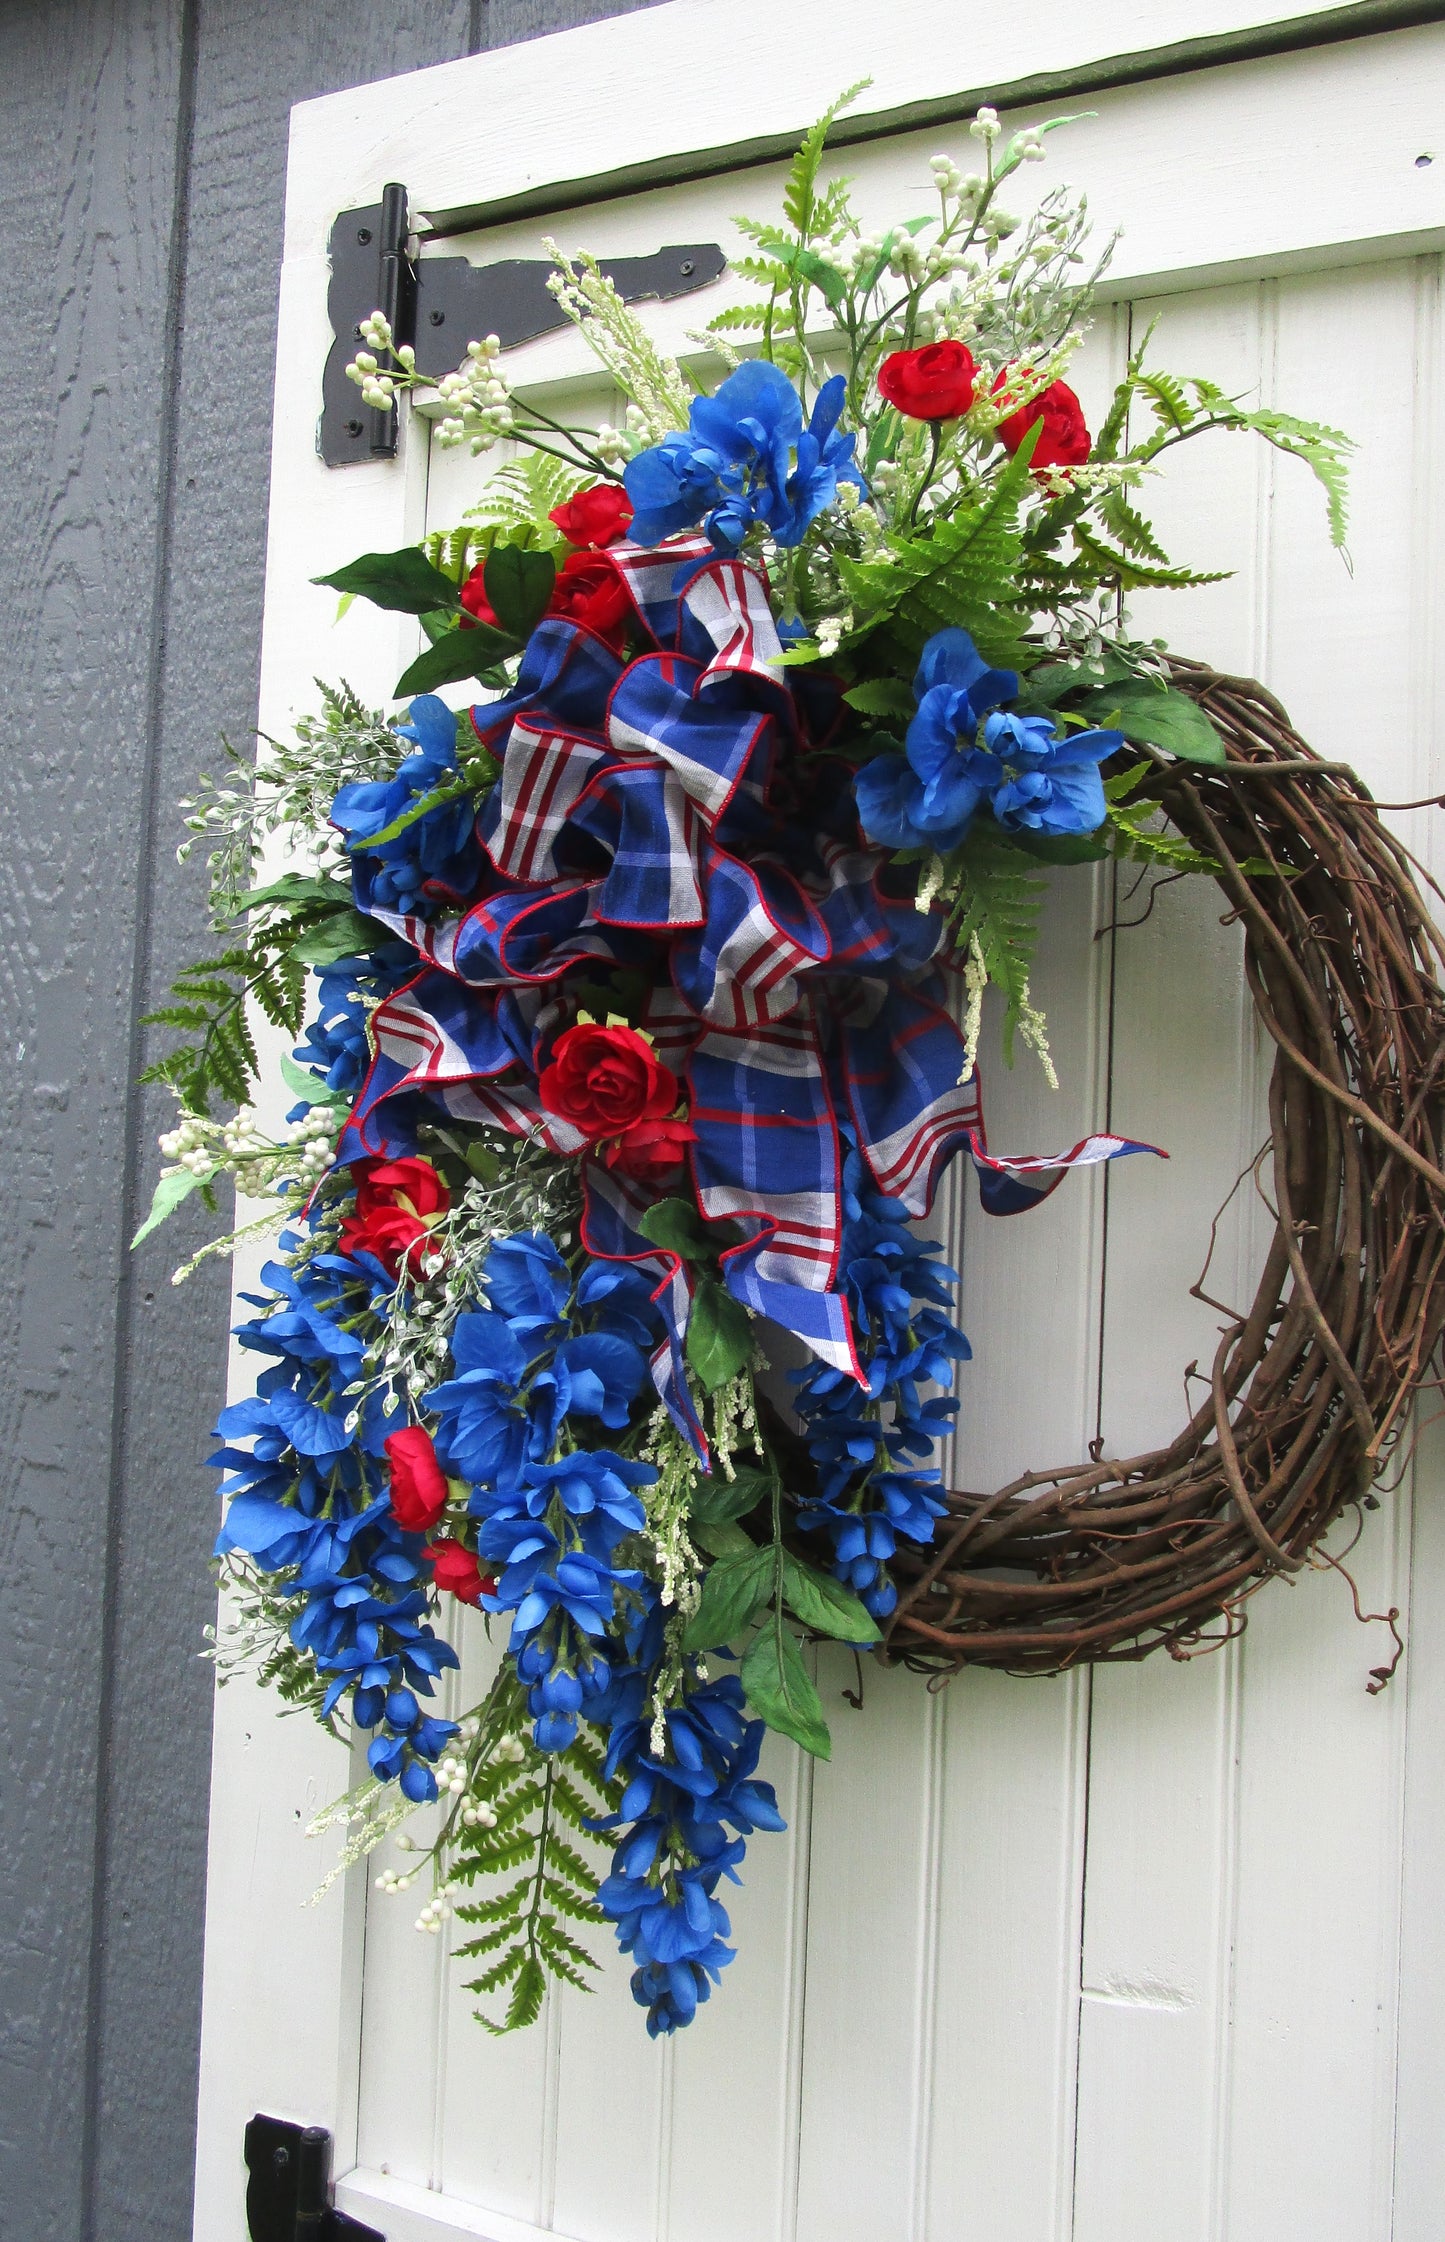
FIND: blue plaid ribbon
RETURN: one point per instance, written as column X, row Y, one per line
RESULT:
column 657, row 814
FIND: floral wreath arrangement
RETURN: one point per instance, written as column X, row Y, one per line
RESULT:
column 644, row 998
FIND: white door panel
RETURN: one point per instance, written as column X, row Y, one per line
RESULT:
column 1144, row 1955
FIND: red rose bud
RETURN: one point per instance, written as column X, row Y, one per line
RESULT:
column 457, row 1570
column 397, row 1203
column 1064, row 439
column 594, row 517
column 935, row 383
column 418, row 1484
column 590, row 591
column 604, row 1080
column 652, row 1151
column 476, row 607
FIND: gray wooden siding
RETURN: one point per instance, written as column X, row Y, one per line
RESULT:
column 142, row 147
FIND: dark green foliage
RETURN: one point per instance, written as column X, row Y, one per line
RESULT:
column 297, row 921
column 542, row 1803
column 405, row 581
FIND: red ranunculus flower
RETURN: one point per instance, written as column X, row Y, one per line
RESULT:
column 1064, row 439
column 476, row 607
column 652, row 1151
column 605, row 1080
column 589, row 591
column 418, row 1483
column 457, row 1570
column 595, row 517
column 935, row 383
column 396, row 1203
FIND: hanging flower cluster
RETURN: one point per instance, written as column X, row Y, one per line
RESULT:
column 644, row 1002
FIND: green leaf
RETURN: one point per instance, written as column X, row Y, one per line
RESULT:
column 469, row 653
column 715, row 1500
column 519, row 585
column 719, row 1335
column 1159, row 714
column 825, row 1605
column 881, row 696
column 726, row 1539
column 674, row 1224
column 780, row 1690
column 341, row 934
column 302, row 1083
column 420, row 805
column 297, row 887
column 734, row 1590
column 169, row 1192
column 405, row 581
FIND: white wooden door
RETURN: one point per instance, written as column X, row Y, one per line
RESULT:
column 1151, row 1954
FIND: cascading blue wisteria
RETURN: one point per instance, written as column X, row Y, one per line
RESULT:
column 684, row 1816
column 335, row 1044
column 867, row 1445
column 310, row 1494
column 543, row 1361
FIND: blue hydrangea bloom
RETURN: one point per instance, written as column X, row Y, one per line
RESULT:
column 440, row 847
column 745, row 457
column 960, row 753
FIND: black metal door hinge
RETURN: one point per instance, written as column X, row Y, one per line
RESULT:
column 440, row 304
column 288, row 2195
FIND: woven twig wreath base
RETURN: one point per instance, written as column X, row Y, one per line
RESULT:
column 1310, row 1392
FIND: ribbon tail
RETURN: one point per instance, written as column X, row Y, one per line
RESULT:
column 1013, row 1186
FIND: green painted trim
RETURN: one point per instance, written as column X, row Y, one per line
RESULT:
column 1362, row 20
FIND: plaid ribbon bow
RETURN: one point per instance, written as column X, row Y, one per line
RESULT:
column 658, row 814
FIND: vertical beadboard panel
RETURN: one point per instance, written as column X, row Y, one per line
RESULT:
column 1419, row 2146
column 1321, row 1762
column 732, row 2149
column 870, row 1899
column 1161, row 1745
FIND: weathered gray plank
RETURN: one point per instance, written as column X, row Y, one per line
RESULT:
column 88, row 205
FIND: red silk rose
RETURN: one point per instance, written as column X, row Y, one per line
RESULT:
column 595, row 517
column 605, row 1080
column 457, row 1570
column 1064, row 439
column 397, row 1202
column 418, row 1484
column 589, row 591
column 652, row 1151
column 935, row 383
column 476, row 607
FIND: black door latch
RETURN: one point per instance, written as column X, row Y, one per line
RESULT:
column 288, row 2195
column 439, row 304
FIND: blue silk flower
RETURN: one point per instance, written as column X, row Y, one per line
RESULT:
column 744, row 457
column 962, row 750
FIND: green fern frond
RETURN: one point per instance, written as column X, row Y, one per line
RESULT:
column 799, row 195
column 997, row 898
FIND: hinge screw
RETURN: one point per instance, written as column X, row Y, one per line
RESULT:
column 437, row 318
column 687, row 267
column 363, row 235
column 353, row 428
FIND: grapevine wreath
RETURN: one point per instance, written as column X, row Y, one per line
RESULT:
column 641, row 1002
